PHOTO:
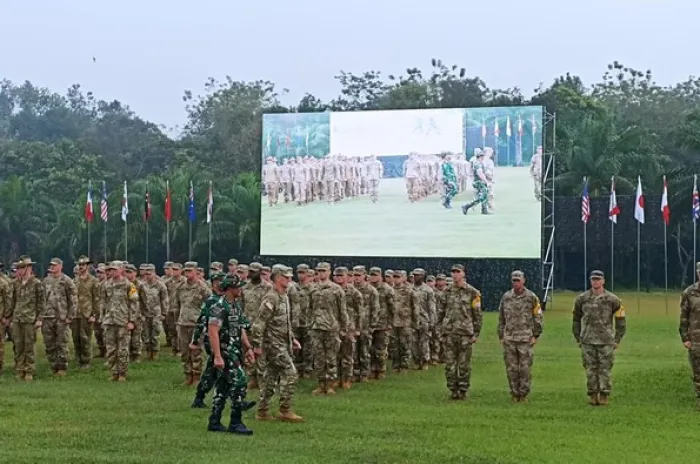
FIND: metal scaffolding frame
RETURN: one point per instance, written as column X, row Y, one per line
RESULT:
column 549, row 122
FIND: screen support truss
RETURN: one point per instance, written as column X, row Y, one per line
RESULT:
column 549, row 128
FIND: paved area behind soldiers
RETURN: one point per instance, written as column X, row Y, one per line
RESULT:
column 406, row 418
column 396, row 227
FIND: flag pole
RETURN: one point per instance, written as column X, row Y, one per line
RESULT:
column 189, row 246
column 146, row 218
column 639, row 229
column 585, row 244
column 612, row 245
column 210, row 213
column 167, row 222
column 665, row 269
column 695, row 230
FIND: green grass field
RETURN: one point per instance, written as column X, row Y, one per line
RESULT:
column 395, row 227
column 83, row 418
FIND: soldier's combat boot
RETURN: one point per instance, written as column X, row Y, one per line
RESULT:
column 515, row 399
column 28, row 377
column 593, row 399
column 381, row 376
column 114, row 377
column 364, row 379
column 121, row 378
column 188, row 379
column 215, row 423
column 335, row 384
column 523, row 399
column 60, row 373
column 154, row 356
column 462, row 395
column 465, row 208
column 236, row 426
column 198, row 403
column 287, row 415
column 484, row 209
column 247, row 405
column 264, row 415
column 347, row 385
column 196, row 378
column 320, row 390
column 603, row 400
column 455, row 395
column 20, row 376
column 330, row 390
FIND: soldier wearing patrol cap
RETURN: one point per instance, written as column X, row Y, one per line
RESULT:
column 599, row 324
column 189, row 298
column 118, row 310
column 87, row 292
column 425, row 302
column 689, row 330
column 173, row 286
column 381, row 323
column 136, row 343
column 265, row 274
column 58, row 313
column 102, row 278
column 253, row 293
column 363, row 329
column 232, row 266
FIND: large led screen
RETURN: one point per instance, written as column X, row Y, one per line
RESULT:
column 434, row 183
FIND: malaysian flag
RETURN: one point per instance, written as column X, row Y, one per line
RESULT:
column 103, row 204
column 585, row 203
column 696, row 200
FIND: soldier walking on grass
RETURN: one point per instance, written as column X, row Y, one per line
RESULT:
column 519, row 327
column 690, row 331
column 599, row 325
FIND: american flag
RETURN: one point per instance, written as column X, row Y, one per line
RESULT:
column 103, row 203
column 585, row 203
column 696, row 200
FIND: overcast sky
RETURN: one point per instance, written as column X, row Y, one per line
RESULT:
column 149, row 51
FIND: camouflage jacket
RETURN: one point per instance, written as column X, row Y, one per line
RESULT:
column 425, row 300
column 519, row 317
column 200, row 328
column 593, row 319
column 385, row 312
column 304, row 298
column 252, row 297
column 328, row 310
column 690, row 314
column 294, row 301
column 190, row 296
column 231, row 321
column 118, row 302
column 355, row 307
column 173, row 285
column 154, row 298
column 406, row 313
column 370, row 307
column 272, row 330
column 462, row 311
column 439, row 305
column 60, row 298
column 5, row 297
column 27, row 301
column 87, row 292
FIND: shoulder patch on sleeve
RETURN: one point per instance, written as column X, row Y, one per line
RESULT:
column 537, row 309
column 476, row 301
column 132, row 290
column 620, row 313
column 269, row 305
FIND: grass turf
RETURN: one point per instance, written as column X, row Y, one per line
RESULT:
column 83, row 418
column 396, row 227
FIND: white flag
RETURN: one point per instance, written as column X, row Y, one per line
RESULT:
column 125, row 204
column 210, row 204
column 639, row 202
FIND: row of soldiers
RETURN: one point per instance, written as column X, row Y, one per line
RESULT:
column 331, row 179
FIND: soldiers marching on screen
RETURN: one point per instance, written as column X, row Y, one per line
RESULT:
column 336, row 326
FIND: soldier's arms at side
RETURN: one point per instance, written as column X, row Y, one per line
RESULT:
column 477, row 317
column 432, row 309
column 343, row 318
column 576, row 324
column 95, row 299
column 684, row 326
column 620, row 321
column 537, row 318
column 501, row 320
column 267, row 307
column 164, row 299
column 72, row 299
column 40, row 301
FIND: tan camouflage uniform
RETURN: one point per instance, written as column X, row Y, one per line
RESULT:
column 253, row 294
column 189, row 298
column 380, row 323
column 425, row 300
column 118, row 309
column 173, row 285
column 303, row 296
column 363, row 326
column 87, row 291
column 5, row 305
column 27, row 305
column 354, row 306
column 156, row 303
column 689, row 330
column 405, row 320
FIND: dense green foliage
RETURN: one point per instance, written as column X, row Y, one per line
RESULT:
column 52, row 144
column 84, row 418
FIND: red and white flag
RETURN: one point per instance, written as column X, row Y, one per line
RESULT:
column 639, row 202
column 89, row 211
column 665, row 210
column 613, row 209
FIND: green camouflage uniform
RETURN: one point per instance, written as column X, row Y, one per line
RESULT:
column 346, row 354
column 593, row 330
column 690, row 330
column 87, row 293
column 5, row 303
column 27, row 305
column 449, row 181
column 209, row 376
column 480, row 187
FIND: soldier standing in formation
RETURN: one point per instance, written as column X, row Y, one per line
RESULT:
column 155, row 301
column 353, row 304
column 425, row 301
column 5, row 303
column 253, row 293
column 57, row 315
column 87, row 294
column 599, row 324
column 272, row 338
column 189, row 298
column 437, row 354
column 302, row 333
column 363, row 329
column 461, row 326
column 381, row 323
column 101, row 274
column 406, row 317
column 135, row 341
column 173, row 285
column 689, row 329
column 519, row 327
column 118, row 310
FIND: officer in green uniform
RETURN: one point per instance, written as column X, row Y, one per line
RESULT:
column 480, row 185
column 449, row 181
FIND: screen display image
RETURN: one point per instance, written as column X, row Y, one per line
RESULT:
column 433, row 183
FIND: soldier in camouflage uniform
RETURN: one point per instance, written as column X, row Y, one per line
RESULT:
column 232, row 267
column 189, row 298
column 689, row 329
column 461, row 326
column 405, row 321
column 363, row 326
column 101, row 274
column 425, row 300
column 135, row 340
column 118, row 309
column 27, row 305
column 304, row 360
column 87, row 293
column 154, row 295
column 380, row 323
column 437, row 353
column 5, row 304
column 168, row 322
column 353, row 304
column 329, row 322
column 59, row 311
column 595, row 313
column 265, row 274
column 272, row 337
column 253, row 293
column 481, row 186
column 226, row 328
column 173, row 285
column 519, row 327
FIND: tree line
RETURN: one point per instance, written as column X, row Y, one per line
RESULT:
column 52, row 144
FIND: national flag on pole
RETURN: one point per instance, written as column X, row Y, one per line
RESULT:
column 520, row 126
column 665, row 210
column 613, row 209
column 508, row 132
column 585, row 203
column 496, row 129
column 125, row 204
column 534, row 125
column 639, row 202
column 696, row 200
column 190, row 207
column 483, row 129
column 89, row 212
column 168, row 203
column 210, row 204
column 147, row 207
column 103, row 204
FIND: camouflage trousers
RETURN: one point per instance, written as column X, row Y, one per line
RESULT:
column 170, row 331
column 280, row 372
column 2, row 344
column 135, row 340
column 55, row 333
column 421, row 346
column 117, row 343
column 81, row 330
column 191, row 359
column 208, row 379
column 518, row 358
column 272, row 190
column 23, row 339
column 363, row 348
column 380, row 339
column 373, row 189
column 598, row 362
column 99, row 338
column 694, row 359
column 458, row 362
column 413, row 188
column 231, row 383
column 300, row 192
column 346, row 358
column 403, row 338
column 303, row 357
column 326, row 345
column 436, row 351
column 151, row 334
column 537, row 183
